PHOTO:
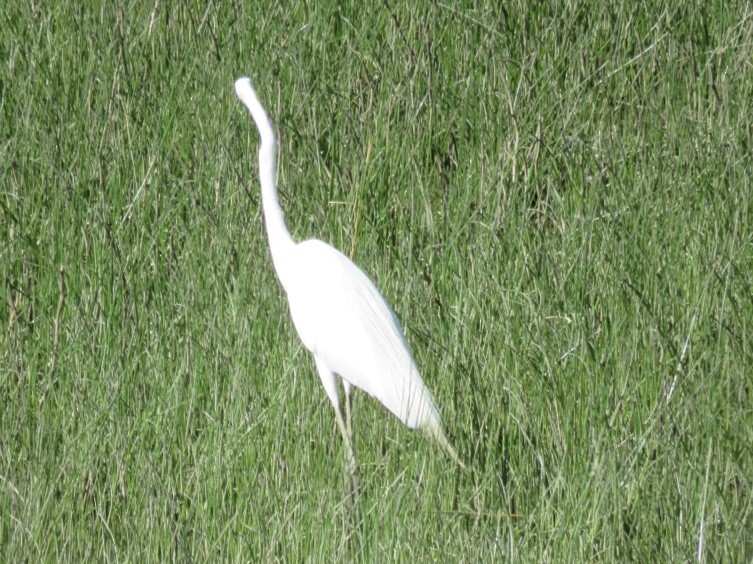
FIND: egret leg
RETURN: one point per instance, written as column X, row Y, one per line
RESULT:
column 347, row 388
column 330, row 386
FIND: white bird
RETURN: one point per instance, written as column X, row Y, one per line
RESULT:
column 339, row 314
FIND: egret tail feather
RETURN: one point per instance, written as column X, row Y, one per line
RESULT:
column 438, row 434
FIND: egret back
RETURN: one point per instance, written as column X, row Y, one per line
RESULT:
column 342, row 318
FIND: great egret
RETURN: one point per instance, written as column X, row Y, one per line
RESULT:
column 339, row 314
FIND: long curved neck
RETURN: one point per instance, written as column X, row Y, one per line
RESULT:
column 280, row 242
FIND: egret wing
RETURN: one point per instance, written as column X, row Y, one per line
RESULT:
column 344, row 320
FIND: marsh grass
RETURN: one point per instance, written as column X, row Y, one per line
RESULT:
column 556, row 200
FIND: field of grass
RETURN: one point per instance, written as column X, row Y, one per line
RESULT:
column 555, row 199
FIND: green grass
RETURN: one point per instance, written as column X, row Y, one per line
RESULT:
column 555, row 199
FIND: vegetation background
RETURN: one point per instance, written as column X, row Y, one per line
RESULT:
column 555, row 197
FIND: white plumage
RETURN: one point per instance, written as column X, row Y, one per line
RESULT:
column 338, row 312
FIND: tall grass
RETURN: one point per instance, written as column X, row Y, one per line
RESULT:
column 555, row 199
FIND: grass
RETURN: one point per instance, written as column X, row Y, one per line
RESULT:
column 555, row 199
